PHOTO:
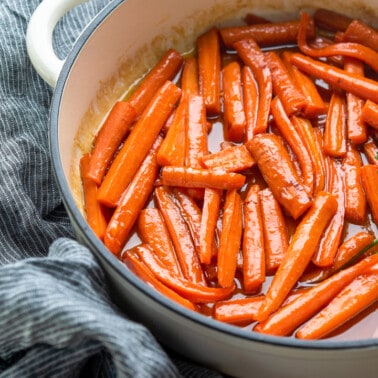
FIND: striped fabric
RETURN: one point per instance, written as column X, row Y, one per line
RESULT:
column 56, row 318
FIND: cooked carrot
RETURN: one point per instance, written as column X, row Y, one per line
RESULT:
column 276, row 238
column 298, row 255
column 320, row 42
column 359, row 32
column 95, row 212
column 201, row 178
column 371, row 152
column 353, row 299
column 166, row 69
column 253, row 19
column 369, row 113
column 369, row 178
column 233, row 158
column 109, row 138
column 284, row 321
column 331, row 20
column 251, row 54
column 230, row 238
column 180, row 235
column 138, row 144
column 233, row 106
column 355, row 200
column 189, row 77
column 278, row 171
column 131, row 202
column 209, row 68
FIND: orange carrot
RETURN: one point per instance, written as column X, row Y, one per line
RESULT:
column 359, row 32
column 369, row 113
column 189, row 77
column 371, row 152
column 109, row 138
column 201, row 178
column 138, row 144
column 369, row 178
column 331, row 20
column 209, row 67
column 230, row 238
column 298, row 255
column 132, row 201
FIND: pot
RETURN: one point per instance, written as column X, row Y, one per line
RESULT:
column 122, row 42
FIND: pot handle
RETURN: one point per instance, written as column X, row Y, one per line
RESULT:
column 39, row 37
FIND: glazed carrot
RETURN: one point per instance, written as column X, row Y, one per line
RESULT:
column 233, row 106
column 250, row 101
column 353, row 299
column 369, row 178
column 153, row 231
column 269, row 34
column 251, row 54
column 371, row 152
column 278, row 171
column 166, row 69
column 233, row 158
column 94, row 211
column 230, row 238
column 284, row 321
column 210, row 214
column 294, row 140
column 131, row 202
column 331, row 20
column 253, row 19
column 109, row 138
column 335, row 127
column 189, row 77
column 138, row 144
column 209, row 68
column 194, row 292
column 276, row 239
column 201, row 178
column 180, row 235
column 284, row 85
column 359, row 32
column 369, row 113
column 355, row 200
column 298, row 255
column 253, row 241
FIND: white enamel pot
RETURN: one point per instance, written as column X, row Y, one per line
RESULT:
column 119, row 44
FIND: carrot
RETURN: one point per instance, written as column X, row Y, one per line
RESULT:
column 355, row 200
column 298, row 255
column 335, row 127
column 371, row 152
column 138, row 144
column 276, row 238
column 233, row 107
column 189, row 77
column 331, row 20
column 131, row 202
column 253, row 19
column 359, row 32
column 230, row 238
column 180, row 235
column 166, row 69
column 268, row 34
column 209, row 68
column 253, row 57
column 109, row 138
column 278, row 171
column 284, row 321
column 95, row 212
column 201, row 178
column 369, row 113
column 369, row 178
column 353, row 299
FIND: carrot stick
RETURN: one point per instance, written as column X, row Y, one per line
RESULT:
column 355, row 200
column 278, row 171
column 209, row 68
column 109, row 138
column 331, row 20
column 230, row 238
column 138, row 144
column 371, row 152
column 353, row 299
column 284, row 321
column 276, row 239
column 298, row 255
column 180, row 235
column 95, row 214
column 201, row 178
column 189, row 77
column 166, row 69
column 359, row 32
column 234, row 116
column 131, row 202
column 369, row 113
column 369, row 178
column 253, row 57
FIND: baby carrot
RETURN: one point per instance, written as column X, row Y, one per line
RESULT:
column 209, row 68
column 189, row 77
column 331, row 20
column 298, row 255
column 109, row 138
column 371, row 152
column 138, row 143
column 369, row 113
column 359, row 32
column 369, row 178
